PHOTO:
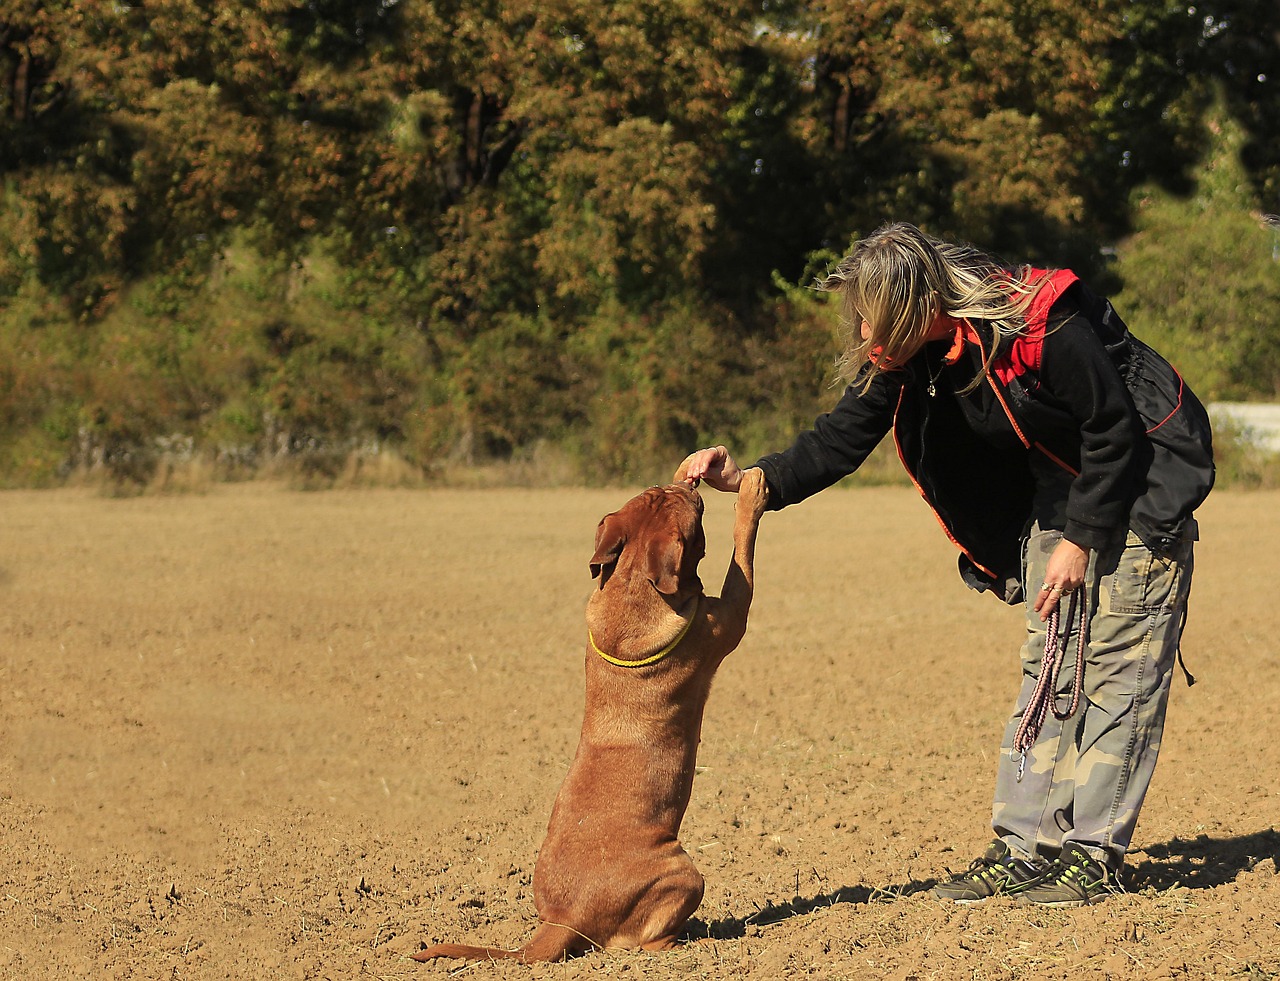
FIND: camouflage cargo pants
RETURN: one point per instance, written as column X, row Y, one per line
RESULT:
column 1085, row 778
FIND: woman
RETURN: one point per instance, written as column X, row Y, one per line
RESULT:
column 1065, row 459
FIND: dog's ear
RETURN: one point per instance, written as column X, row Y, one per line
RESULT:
column 664, row 565
column 610, row 537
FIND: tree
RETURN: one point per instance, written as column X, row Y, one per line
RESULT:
column 1170, row 65
column 1201, row 280
column 972, row 121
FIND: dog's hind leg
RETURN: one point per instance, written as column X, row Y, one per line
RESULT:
column 662, row 913
column 555, row 942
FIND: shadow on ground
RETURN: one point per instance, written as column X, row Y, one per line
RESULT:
column 1197, row 863
column 1203, row 862
column 736, row 927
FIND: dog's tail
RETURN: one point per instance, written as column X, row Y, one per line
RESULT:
column 463, row 952
column 551, row 942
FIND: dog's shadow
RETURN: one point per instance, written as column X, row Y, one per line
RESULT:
column 735, row 928
column 1196, row 863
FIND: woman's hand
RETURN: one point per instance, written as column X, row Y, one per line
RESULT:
column 715, row 466
column 1065, row 572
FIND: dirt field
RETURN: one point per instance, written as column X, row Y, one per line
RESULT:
column 263, row 734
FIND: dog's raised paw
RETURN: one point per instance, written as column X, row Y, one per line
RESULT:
column 753, row 491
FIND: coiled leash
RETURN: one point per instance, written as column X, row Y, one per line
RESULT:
column 1043, row 697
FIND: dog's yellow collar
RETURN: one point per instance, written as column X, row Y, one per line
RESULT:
column 644, row 661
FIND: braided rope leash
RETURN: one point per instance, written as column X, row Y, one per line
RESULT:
column 1043, row 697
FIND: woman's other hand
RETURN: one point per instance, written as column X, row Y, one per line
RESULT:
column 1064, row 572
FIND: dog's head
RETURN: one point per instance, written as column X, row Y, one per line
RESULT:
column 656, row 536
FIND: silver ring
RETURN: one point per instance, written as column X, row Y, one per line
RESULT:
column 1055, row 589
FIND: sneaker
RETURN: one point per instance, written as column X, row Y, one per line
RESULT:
column 1076, row 878
column 996, row 873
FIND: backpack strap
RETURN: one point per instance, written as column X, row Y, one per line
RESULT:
column 1026, row 352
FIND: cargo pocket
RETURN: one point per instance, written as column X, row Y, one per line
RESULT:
column 1143, row 581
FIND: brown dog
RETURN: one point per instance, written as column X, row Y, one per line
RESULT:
column 611, row 872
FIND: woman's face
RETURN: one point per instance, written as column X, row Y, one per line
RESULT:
column 942, row 326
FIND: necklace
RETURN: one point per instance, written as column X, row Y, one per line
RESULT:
column 932, row 387
column 951, row 357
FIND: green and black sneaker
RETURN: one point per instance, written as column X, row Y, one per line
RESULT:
column 996, row 873
column 1076, row 878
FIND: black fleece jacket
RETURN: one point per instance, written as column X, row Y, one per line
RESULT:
column 989, row 460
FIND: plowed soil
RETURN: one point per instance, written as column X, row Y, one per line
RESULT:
column 264, row 734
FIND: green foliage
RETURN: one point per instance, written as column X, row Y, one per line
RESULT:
column 38, row 368
column 628, row 218
column 465, row 230
column 1201, row 279
column 1240, row 460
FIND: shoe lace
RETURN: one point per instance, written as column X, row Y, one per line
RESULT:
column 1086, row 879
column 979, row 868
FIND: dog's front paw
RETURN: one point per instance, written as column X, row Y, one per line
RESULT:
column 682, row 471
column 753, row 492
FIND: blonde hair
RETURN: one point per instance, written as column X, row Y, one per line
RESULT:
column 899, row 279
